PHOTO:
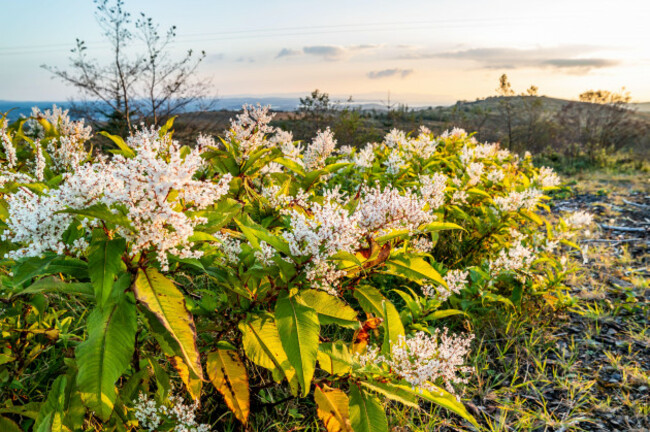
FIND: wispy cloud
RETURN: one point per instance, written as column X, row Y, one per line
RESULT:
column 387, row 73
column 287, row 52
column 571, row 58
column 326, row 52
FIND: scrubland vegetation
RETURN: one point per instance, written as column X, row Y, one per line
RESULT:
column 233, row 283
column 326, row 269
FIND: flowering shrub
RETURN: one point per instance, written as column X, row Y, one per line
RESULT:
column 258, row 262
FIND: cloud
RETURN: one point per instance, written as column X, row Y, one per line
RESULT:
column 327, row 52
column 570, row 58
column 386, row 73
column 582, row 63
column 245, row 60
column 287, row 52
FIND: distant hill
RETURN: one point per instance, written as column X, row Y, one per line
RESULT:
column 24, row 108
column 642, row 106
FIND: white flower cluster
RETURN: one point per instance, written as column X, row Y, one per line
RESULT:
column 60, row 119
column 7, row 144
column 322, row 146
column 151, row 415
column 424, row 146
column 331, row 229
column 515, row 201
column 290, row 149
column 474, row 171
column 230, row 246
column 424, row 359
column 319, row 231
column 422, row 245
column 39, row 162
column 459, row 197
column 483, row 151
column 548, row 178
column 33, row 219
column 394, row 162
column 151, row 186
column 433, row 188
column 265, row 254
column 395, row 138
column 67, row 153
column 456, row 281
column 250, row 128
column 365, row 157
column 578, row 220
column 496, row 175
column 454, row 133
column 276, row 198
column 516, row 258
column 383, row 210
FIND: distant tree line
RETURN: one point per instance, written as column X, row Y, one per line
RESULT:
column 599, row 122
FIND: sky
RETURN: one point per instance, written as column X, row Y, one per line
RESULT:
column 422, row 52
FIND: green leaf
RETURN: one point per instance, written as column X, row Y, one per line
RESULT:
column 415, row 269
column 68, row 266
column 334, row 357
column 299, row 329
column 6, row 358
column 330, row 309
column 54, row 284
column 292, row 165
column 442, row 398
column 256, row 233
column 372, row 301
column 228, row 375
column 440, row 226
column 167, row 303
column 50, row 416
column 29, row 268
column 393, row 392
column 499, row 298
column 475, row 191
column 105, row 355
column 7, row 425
column 104, row 263
column 125, row 150
column 444, row 314
column 393, row 327
column 366, row 412
column 263, row 347
column 532, row 216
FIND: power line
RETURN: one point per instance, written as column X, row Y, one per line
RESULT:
column 292, row 31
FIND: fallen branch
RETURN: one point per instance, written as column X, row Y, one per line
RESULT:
column 620, row 228
column 643, row 206
column 611, row 240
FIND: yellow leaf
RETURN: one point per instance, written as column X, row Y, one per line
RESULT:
column 189, row 378
column 167, row 303
column 333, row 410
column 228, row 375
column 262, row 345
